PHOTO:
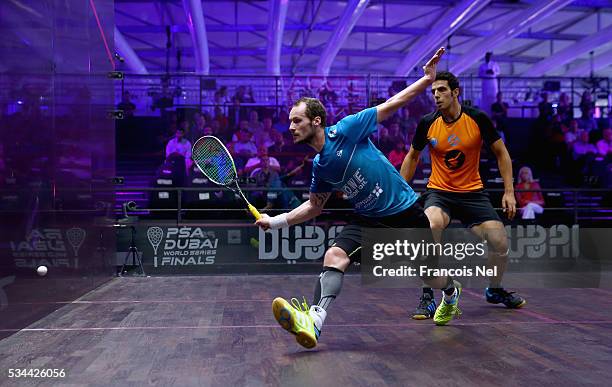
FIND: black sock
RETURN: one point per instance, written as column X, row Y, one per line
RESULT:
column 428, row 291
column 449, row 289
column 328, row 286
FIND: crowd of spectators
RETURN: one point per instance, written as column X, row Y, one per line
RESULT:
column 575, row 146
column 262, row 146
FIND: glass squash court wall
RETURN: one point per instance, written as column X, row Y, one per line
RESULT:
column 57, row 154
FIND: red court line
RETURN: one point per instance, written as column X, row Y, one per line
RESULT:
column 537, row 315
column 415, row 324
column 108, row 53
column 140, row 302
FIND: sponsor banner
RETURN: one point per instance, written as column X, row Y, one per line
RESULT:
column 222, row 249
column 297, row 243
column 61, row 247
column 532, row 249
column 51, row 247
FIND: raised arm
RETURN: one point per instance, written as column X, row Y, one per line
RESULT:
column 390, row 106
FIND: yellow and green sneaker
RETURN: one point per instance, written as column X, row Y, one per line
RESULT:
column 446, row 311
column 295, row 319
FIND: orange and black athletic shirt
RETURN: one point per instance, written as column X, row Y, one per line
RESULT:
column 455, row 148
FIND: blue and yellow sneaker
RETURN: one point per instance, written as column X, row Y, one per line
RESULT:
column 426, row 308
column 501, row 296
column 447, row 310
column 295, row 319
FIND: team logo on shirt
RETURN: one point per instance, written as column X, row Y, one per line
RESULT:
column 377, row 190
column 454, row 159
column 332, row 133
column 433, row 142
column 339, row 153
column 453, row 140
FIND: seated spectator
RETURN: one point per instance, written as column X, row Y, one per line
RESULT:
column 254, row 124
column 244, row 126
column 387, row 138
column 266, row 176
column 242, row 148
column 259, row 160
column 499, row 113
column 397, row 155
column 216, row 130
column 584, row 156
column 564, row 108
column 381, row 139
column 530, row 202
column 282, row 125
column 221, row 97
column 586, row 103
column 569, row 134
column 604, row 146
column 197, row 128
column 408, row 122
column 545, row 108
column 240, row 95
column 587, row 122
column 181, row 146
column 222, row 119
column 184, row 124
column 278, row 145
column 582, row 146
column 264, row 136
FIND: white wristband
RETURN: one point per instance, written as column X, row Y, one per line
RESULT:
column 278, row 221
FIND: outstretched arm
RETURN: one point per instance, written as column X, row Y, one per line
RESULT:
column 390, row 106
column 306, row 211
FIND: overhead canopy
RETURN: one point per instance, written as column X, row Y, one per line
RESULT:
column 387, row 37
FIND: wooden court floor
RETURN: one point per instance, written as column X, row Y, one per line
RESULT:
column 219, row 331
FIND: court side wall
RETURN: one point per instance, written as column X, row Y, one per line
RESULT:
column 57, row 154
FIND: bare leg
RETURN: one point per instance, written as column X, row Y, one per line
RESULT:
column 494, row 233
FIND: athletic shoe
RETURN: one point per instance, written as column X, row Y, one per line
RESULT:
column 446, row 311
column 501, row 296
column 295, row 319
column 426, row 308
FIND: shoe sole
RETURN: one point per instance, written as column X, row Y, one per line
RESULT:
column 510, row 307
column 282, row 314
column 421, row 317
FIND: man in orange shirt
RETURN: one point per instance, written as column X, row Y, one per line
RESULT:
column 455, row 134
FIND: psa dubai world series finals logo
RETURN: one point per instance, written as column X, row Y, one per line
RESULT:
column 182, row 246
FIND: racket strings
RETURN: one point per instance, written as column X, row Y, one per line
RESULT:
column 214, row 161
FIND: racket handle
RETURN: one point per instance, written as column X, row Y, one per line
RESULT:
column 254, row 212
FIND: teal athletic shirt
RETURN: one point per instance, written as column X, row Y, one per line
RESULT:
column 351, row 163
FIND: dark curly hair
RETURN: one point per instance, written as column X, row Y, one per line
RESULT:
column 452, row 80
